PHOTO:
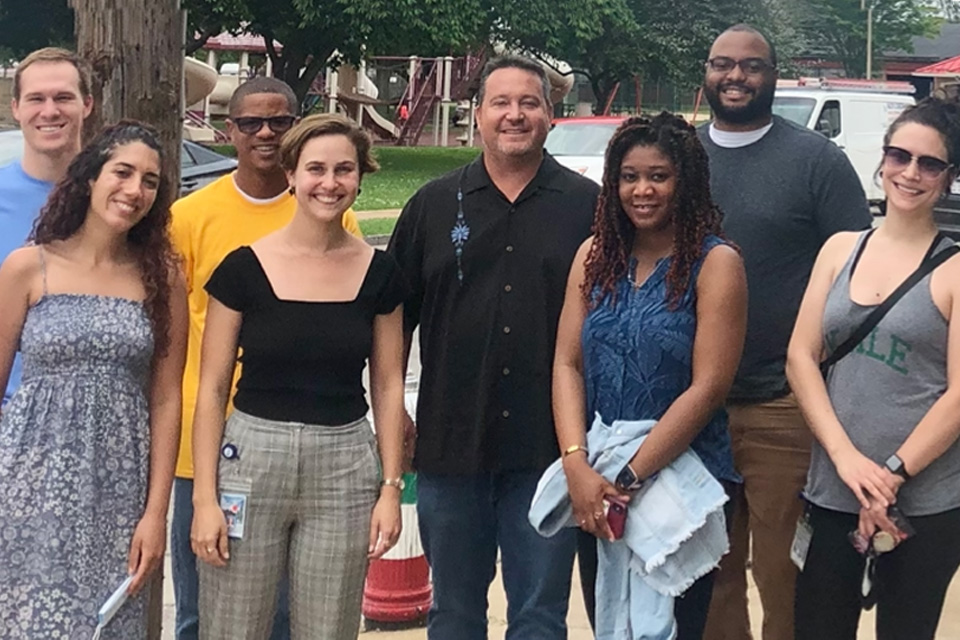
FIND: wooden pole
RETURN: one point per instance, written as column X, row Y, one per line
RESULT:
column 610, row 98
column 135, row 50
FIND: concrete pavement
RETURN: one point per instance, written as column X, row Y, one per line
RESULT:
column 579, row 628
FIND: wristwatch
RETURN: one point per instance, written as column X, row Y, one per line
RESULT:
column 394, row 482
column 627, row 480
column 895, row 465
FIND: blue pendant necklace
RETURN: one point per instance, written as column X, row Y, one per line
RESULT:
column 461, row 231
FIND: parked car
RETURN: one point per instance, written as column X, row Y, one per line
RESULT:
column 947, row 213
column 199, row 165
column 580, row 143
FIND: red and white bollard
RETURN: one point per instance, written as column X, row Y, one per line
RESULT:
column 398, row 592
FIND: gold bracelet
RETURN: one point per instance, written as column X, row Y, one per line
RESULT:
column 574, row 449
column 394, row 482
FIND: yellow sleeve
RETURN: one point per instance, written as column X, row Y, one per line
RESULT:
column 350, row 223
column 180, row 236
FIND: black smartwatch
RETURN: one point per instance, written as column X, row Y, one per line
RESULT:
column 895, row 465
column 628, row 481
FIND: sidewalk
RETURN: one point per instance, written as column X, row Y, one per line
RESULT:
column 579, row 628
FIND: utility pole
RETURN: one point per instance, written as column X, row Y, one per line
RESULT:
column 135, row 51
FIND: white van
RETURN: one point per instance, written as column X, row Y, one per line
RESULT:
column 854, row 114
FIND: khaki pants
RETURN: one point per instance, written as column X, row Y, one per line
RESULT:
column 771, row 450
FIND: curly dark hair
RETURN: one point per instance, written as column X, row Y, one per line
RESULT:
column 68, row 205
column 694, row 213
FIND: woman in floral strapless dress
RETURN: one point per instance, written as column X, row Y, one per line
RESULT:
column 88, row 441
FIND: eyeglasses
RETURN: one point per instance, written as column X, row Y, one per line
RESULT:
column 929, row 167
column 252, row 124
column 750, row 66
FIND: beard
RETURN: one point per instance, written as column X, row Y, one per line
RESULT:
column 758, row 108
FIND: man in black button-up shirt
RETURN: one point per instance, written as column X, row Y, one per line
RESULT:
column 487, row 249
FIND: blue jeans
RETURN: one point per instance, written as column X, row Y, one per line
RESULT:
column 186, row 584
column 463, row 519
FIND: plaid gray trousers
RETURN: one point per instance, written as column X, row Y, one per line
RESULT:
column 311, row 490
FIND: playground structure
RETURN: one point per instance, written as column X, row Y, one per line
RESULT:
column 433, row 86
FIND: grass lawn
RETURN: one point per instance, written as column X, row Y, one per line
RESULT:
column 403, row 170
column 378, row 226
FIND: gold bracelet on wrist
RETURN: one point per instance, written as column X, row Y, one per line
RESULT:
column 574, row 449
column 394, row 482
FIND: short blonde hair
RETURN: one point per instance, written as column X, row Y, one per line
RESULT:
column 326, row 124
column 53, row 54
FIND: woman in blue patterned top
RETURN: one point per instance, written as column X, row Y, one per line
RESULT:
column 652, row 327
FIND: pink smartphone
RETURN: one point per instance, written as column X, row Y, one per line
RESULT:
column 616, row 516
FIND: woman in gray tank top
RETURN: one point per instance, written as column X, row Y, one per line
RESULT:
column 886, row 460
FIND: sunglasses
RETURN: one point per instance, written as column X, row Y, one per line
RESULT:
column 929, row 167
column 750, row 66
column 252, row 124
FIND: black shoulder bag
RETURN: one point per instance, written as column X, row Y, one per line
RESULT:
column 928, row 264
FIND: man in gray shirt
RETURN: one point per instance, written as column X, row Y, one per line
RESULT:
column 783, row 190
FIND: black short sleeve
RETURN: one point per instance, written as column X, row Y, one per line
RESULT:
column 406, row 248
column 230, row 281
column 394, row 290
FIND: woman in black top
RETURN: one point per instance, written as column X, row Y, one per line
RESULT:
column 292, row 481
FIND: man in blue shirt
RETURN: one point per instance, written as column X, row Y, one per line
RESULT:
column 51, row 99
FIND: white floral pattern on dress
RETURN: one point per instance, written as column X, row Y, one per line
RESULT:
column 74, row 457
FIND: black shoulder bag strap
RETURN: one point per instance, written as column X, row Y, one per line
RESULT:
column 929, row 263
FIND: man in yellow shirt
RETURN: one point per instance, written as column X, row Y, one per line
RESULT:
column 236, row 210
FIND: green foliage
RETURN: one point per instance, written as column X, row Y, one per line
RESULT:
column 837, row 29
column 610, row 41
column 29, row 25
column 949, row 9
column 207, row 18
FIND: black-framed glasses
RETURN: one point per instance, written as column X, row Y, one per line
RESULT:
column 252, row 124
column 929, row 167
column 750, row 66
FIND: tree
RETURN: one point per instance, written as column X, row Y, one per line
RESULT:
column 314, row 33
column 207, row 18
column 949, row 9
column 611, row 41
column 135, row 50
column 837, row 29
column 26, row 26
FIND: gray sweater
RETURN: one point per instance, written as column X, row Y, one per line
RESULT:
column 782, row 197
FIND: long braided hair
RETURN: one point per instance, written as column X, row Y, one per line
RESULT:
column 694, row 213
column 69, row 202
